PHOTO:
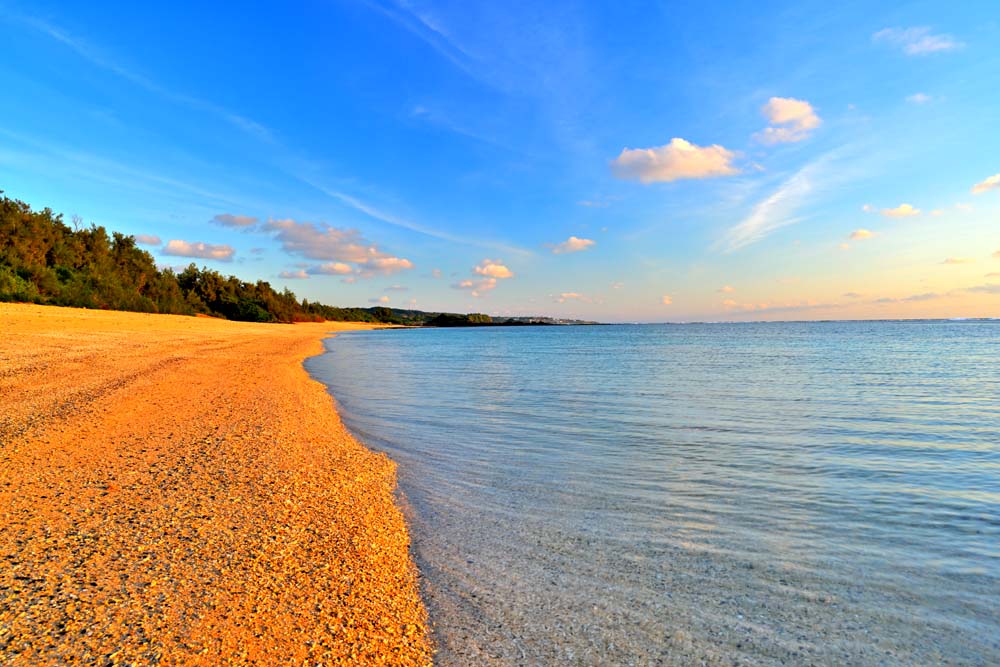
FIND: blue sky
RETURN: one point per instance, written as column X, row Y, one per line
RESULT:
column 615, row 161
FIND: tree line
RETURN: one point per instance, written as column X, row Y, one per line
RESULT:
column 43, row 260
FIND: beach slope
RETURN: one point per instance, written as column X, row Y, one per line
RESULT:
column 177, row 490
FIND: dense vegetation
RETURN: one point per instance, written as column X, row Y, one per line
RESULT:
column 43, row 260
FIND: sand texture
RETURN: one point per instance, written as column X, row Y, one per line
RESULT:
column 178, row 491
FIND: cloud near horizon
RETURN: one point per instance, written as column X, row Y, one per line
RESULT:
column 901, row 211
column 918, row 41
column 677, row 160
column 563, row 297
column 234, row 221
column 666, row 300
column 338, row 246
column 178, row 248
column 958, row 260
column 492, row 270
column 791, row 120
column 572, row 244
column 991, row 183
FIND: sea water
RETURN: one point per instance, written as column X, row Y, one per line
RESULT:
column 753, row 494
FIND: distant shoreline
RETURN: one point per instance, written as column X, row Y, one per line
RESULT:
column 179, row 489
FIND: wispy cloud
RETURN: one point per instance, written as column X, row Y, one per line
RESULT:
column 377, row 213
column 917, row 41
column 919, row 98
column 780, row 208
column 94, row 55
column 958, row 260
column 430, row 30
column 147, row 239
column 860, row 234
column 677, row 160
column 87, row 165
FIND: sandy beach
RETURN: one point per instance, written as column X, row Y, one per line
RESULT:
column 177, row 490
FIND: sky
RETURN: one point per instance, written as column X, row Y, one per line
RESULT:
column 627, row 161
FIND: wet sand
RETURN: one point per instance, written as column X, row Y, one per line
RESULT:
column 177, row 490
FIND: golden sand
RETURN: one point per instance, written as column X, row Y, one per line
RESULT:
column 177, row 490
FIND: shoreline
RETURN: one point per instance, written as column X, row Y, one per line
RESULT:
column 180, row 490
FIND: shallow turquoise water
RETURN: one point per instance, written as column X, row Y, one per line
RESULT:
column 793, row 493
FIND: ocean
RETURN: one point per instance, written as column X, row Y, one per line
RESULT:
column 720, row 494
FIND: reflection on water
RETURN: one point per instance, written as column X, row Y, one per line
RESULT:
column 823, row 493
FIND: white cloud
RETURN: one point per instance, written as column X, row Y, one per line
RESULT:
column 958, row 260
column 396, row 288
column 860, row 234
column 666, row 300
column 917, row 41
column 991, row 183
column 726, row 289
column 332, row 269
column 617, row 284
column 868, row 208
column 901, row 211
column 222, row 252
column 493, row 268
column 381, row 299
column 237, row 221
column 436, row 273
column 147, row 239
column 572, row 244
column 919, row 98
column 294, row 275
column 791, row 120
column 677, row 160
column 324, row 242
